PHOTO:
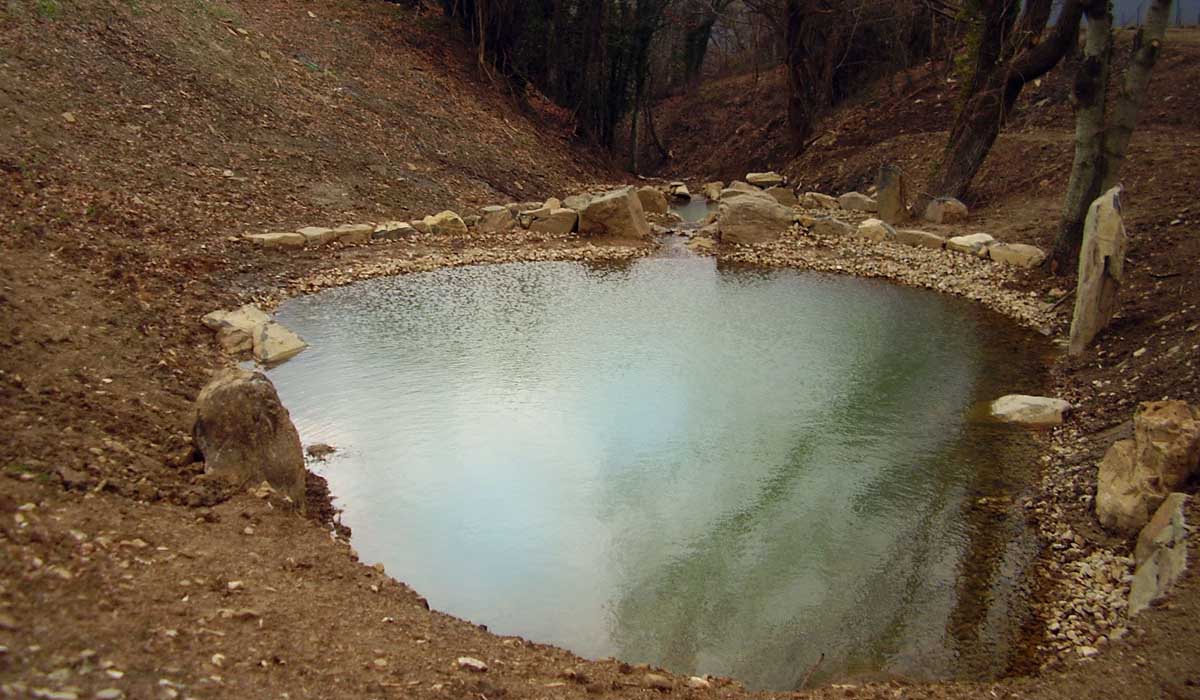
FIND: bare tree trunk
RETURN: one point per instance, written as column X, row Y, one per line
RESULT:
column 1009, row 56
column 1101, row 146
column 1091, row 102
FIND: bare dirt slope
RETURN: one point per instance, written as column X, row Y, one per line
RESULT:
column 136, row 136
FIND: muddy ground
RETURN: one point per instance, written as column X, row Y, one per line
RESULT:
column 138, row 138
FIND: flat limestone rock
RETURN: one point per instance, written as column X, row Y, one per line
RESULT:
column 832, row 228
column 354, row 234
column 765, row 180
column 920, row 239
column 317, row 236
column 275, row 344
column 1017, row 254
column 446, row 223
column 496, row 219
column 277, row 240
column 712, row 190
column 235, row 329
column 857, row 201
column 975, row 244
column 1030, row 411
column 817, row 200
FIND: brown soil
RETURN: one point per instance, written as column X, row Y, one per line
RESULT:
column 137, row 137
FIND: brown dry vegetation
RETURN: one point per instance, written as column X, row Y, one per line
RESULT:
column 137, row 136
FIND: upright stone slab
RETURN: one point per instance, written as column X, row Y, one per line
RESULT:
column 1161, row 554
column 890, row 195
column 752, row 218
column 1101, row 270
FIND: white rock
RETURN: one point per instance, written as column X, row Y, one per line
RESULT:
column 678, row 190
column 446, row 223
column 1030, row 411
column 975, row 244
column 469, row 663
column 712, row 190
column 752, row 218
column 392, row 231
column 1161, row 554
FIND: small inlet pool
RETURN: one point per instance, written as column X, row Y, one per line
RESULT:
column 761, row 474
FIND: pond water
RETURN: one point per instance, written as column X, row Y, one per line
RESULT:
column 694, row 210
column 762, row 474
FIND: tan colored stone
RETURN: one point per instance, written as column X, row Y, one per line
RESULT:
column 1030, row 411
column 317, row 236
column 275, row 344
column 618, row 213
column 277, row 240
column 446, row 223
column 1016, row 254
column 560, row 221
column 1161, row 554
column 832, row 228
column 920, row 239
column 653, row 200
column 784, row 196
column 750, row 218
column 891, row 195
column 765, row 180
column 945, row 210
column 857, row 201
column 712, row 190
column 354, row 234
column 975, row 244
column 816, row 200
column 1101, row 270
column 876, row 231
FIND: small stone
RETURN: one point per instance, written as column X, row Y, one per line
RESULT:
column 698, row 683
column 110, row 694
column 468, row 663
column 658, row 682
column 235, row 585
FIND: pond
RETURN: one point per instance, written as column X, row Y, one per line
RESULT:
column 761, row 474
column 694, row 210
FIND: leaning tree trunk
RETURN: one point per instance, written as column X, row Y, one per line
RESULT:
column 1107, row 142
column 1091, row 103
column 1009, row 57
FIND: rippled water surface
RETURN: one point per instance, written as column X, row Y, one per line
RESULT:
column 732, row 472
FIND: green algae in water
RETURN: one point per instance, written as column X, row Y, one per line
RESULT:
column 726, row 472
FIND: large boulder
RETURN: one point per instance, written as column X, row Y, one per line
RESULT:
column 876, row 231
column 712, row 190
column 559, row 221
column 1136, row 475
column 750, row 218
column 1017, row 254
column 741, row 186
column 277, row 240
column 1029, row 411
column 247, row 436
column 816, row 200
column 618, row 213
column 975, row 244
column 891, row 195
column 654, row 201
column 1161, row 554
column 765, row 180
column 945, row 210
column 857, row 201
column 920, row 239
column 1101, row 270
